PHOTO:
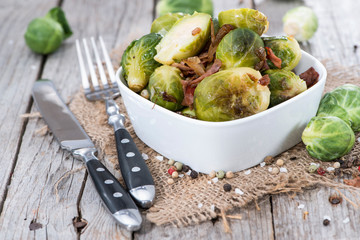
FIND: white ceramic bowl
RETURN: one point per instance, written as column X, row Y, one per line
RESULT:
column 233, row 145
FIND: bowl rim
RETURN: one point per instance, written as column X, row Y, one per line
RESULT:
column 322, row 71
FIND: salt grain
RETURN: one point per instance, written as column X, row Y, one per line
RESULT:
column 212, row 207
column 200, row 205
column 346, row 220
column 181, row 175
column 188, row 172
column 215, row 180
column 315, row 164
column 160, row 158
column 238, row 191
column 209, row 182
column 145, row 156
column 270, row 169
column 33, row 67
column 301, row 206
column 283, row 170
column 330, row 169
column 247, row 172
column 262, row 164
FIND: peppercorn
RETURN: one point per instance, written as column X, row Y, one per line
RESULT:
column 275, row 170
column 193, row 174
column 312, row 168
column 320, row 171
column 220, row 174
column 293, row 158
column 227, row 187
column 175, row 174
column 229, row 174
column 268, row 160
column 336, row 165
column 212, row 174
column 280, row 162
column 326, row 222
column 171, row 162
column 170, row 181
column 171, row 170
column 178, row 166
column 186, row 168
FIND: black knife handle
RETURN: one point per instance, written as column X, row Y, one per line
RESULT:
column 110, row 190
column 132, row 165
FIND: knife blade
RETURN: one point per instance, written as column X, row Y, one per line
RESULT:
column 72, row 137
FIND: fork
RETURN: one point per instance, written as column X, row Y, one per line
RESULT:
column 133, row 168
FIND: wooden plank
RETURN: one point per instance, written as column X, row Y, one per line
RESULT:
column 332, row 41
column 19, row 68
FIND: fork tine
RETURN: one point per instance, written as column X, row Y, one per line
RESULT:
column 109, row 65
column 84, row 79
column 94, row 79
column 99, row 65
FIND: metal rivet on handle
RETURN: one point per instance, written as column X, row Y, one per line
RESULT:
column 125, row 140
column 135, row 169
column 100, row 169
column 109, row 181
column 117, row 194
column 130, row 154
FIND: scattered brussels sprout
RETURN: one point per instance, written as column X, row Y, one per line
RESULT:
column 284, row 85
column 185, row 39
column 165, row 87
column 138, row 61
column 343, row 102
column 45, row 35
column 163, row 24
column 188, row 112
column 287, row 49
column 245, row 18
column 230, row 94
column 328, row 138
column 185, row 6
column 239, row 48
column 300, row 22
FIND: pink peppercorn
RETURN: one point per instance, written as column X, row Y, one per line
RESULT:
column 171, row 170
column 320, row 171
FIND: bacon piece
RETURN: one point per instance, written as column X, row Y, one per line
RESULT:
column 188, row 94
column 310, row 76
column 225, row 29
column 180, row 66
column 168, row 98
column 195, row 64
column 273, row 58
column 213, row 69
column 265, row 80
column 196, row 31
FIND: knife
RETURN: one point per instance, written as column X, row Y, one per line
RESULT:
column 72, row 137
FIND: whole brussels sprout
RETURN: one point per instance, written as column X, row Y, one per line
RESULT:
column 240, row 48
column 245, row 18
column 285, row 48
column 138, row 61
column 300, row 22
column 230, row 94
column 164, row 23
column 328, row 138
column 342, row 102
column 165, row 87
column 45, row 35
column 185, row 39
column 185, row 6
column 284, row 85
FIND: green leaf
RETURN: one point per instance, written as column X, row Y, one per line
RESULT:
column 58, row 15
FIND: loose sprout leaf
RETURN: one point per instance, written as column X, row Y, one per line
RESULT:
column 163, row 24
column 58, row 15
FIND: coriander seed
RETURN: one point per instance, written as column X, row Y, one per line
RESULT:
column 229, row 174
column 220, row 174
column 170, row 181
column 212, row 174
column 178, row 166
column 175, row 174
column 280, row 162
column 171, row 162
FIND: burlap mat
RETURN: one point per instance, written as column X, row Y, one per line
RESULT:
column 191, row 201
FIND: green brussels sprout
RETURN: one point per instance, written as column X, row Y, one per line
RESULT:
column 165, row 87
column 287, row 49
column 45, row 35
column 188, row 112
column 300, row 22
column 163, row 24
column 138, row 61
column 185, row 6
column 240, row 48
column 186, row 38
column 284, row 85
column 328, row 138
column 245, row 18
column 230, row 94
column 342, row 102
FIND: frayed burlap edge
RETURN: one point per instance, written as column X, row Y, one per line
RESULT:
column 192, row 201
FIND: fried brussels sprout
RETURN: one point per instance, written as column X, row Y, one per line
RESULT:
column 188, row 112
column 185, row 6
column 138, row 61
column 165, row 87
column 163, row 24
column 240, row 48
column 45, row 35
column 185, row 39
column 284, row 85
column 343, row 102
column 230, row 94
column 328, row 138
column 245, row 18
column 300, row 22
column 285, row 48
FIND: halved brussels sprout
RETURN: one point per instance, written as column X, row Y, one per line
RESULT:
column 240, row 48
column 230, row 94
column 300, row 22
column 185, row 39
column 328, row 138
column 284, row 85
column 185, row 6
column 245, row 18
column 287, row 49
column 165, row 87
column 163, row 24
column 138, row 61
column 343, row 102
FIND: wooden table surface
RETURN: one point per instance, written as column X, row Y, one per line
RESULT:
column 31, row 164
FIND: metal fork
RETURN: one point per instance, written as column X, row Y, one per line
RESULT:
column 133, row 168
